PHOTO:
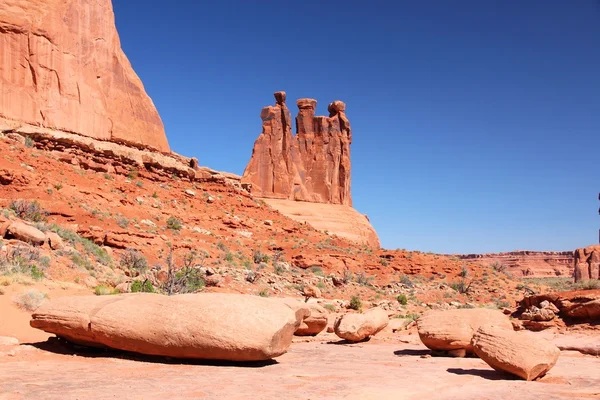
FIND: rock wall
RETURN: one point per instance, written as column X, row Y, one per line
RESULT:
column 586, row 263
column 528, row 263
column 62, row 67
column 313, row 165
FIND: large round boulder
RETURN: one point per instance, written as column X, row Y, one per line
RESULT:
column 215, row 326
column 451, row 330
column 26, row 233
column 356, row 327
column 519, row 353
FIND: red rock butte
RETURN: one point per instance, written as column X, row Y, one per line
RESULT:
column 313, row 165
column 62, row 68
column 307, row 176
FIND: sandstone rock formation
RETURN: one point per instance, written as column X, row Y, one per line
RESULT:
column 63, row 68
column 587, row 263
column 341, row 220
column 312, row 166
column 580, row 306
column 526, row 262
column 357, row 327
column 204, row 326
column 24, row 232
column 518, row 353
column 449, row 330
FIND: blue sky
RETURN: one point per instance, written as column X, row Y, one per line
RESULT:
column 476, row 124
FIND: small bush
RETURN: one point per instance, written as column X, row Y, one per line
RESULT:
column 363, row 279
column 321, row 285
column 498, row 267
column 229, row 256
column 405, row 280
column 29, row 210
column 587, row 285
column 29, row 142
column 317, row 270
column 347, row 276
column 142, row 286
column 462, row 286
column 174, row 224
column 258, row 257
column 123, row 222
column 264, row 293
column 464, row 272
column 278, row 268
column 402, row 299
column 102, row 290
column 134, row 261
column 355, row 303
column 329, row 307
column 30, row 300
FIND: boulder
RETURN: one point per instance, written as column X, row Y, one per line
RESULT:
column 26, row 233
column 519, row 353
column 215, row 326
column 357, row 327
column 311, row 291
column 314, row 323
column 448, row 330
column 55, row 241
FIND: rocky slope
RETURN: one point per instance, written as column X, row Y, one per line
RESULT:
column 63, row 68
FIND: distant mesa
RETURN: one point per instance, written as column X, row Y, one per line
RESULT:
column 307, row 176
column 63, row 68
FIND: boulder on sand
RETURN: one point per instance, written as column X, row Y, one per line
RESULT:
column 519, row 353
column 312, row 317
column 450, row 330
column 26, row 233
column 214, row 326
column 356, row 327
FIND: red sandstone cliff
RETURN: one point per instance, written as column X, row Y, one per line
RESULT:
column 313, row 166
column 587, row 263
column 62, row 67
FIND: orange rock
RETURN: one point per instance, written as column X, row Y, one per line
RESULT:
column 448, row 330
column 587, row 263
column 214, row 326
column 519, row 353
column 26, row 233
column 64, row 69
column 357, row 327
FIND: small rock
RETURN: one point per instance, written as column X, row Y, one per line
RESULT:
column 55, row 241
column 210, row 199
column 268, row 222
column 148, row 222
column 8, row 341
column 214, row 280
column 190, row 193
column 312, row 291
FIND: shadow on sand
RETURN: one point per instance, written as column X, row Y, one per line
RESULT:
column 489, row 374
column 412, row 352
column 63, row 347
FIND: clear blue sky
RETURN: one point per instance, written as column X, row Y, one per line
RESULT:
column 476, row 123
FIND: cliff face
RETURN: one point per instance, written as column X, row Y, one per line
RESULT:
column 313, row 165
column 528, row 263
column 62, row 67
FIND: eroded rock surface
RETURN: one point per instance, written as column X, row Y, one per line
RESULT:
column 357, row 327
column 587, row 263
column 63, row 68
column 204, row 326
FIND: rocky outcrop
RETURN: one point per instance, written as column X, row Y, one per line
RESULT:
column 344, row 221
column 586, row 263
column 313, row 165
column 451, row 330
column 578, row 306
column 212, row 326
column 63, row 68
column 519, row 353
column 357, row 327
column 527, row 263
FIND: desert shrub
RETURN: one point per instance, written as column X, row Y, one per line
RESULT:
column 229, row 256
column 355, row 303
column 144, row 286
column 498, row 267
column 98, row 252
column 402, row 299
column 317, row 270
column 23, row 260
column 133, row 261
column 405, row 280
column 123, row 222
column 258, row 257
column 321, row 285
column 29, row 142
column 363, row 279
column 278, row 268
column 29, row 210
column 409, row 316
column 81, row 260
column 264, row 293
column 329, row 307
column 347, row 276
column 462, row 286
column 174, row 224
column 102, row 290
column 464, row 272
column 587, row 285
column 186, row 278
column 30, row 299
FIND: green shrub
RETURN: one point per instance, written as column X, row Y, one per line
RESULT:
column 355, row 303
column 134, row 261
column 264, row 293
column 142, row 286
column 329, row 307
column 123, row 222
column 258, row 257
column 30, row 300
column 405, row 280
column 29, row 142
column 402, row 299
column 102, row 290
column 174, row 224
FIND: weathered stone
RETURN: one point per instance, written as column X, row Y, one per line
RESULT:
column 356, row 327
column 312, row 291
column 453, row 329
column 579, row 305
column 55, row 241
column 64, row 69
column 26, row 233
column 587, row 263
column 519, row 353
column 203, row 326
column 315, row 323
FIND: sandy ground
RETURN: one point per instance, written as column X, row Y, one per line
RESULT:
column 311, row 370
